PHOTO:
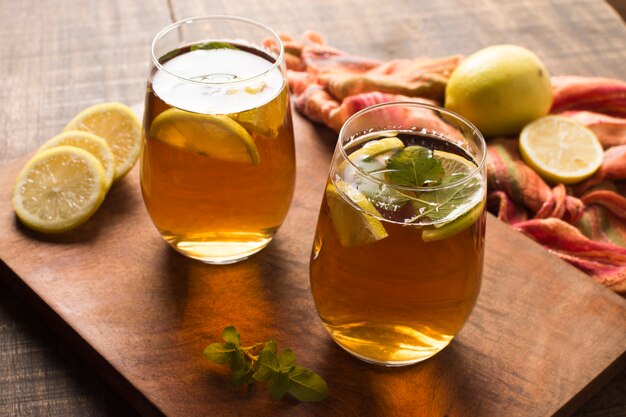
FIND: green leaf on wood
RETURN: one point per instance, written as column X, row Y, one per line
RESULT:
column 280, row 372
column 306, row 385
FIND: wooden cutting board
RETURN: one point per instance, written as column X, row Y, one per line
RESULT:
column 543, row 338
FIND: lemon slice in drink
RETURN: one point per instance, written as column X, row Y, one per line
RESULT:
column 460, row 215
column 59, row 189
column 118, row 126
column 455, row 226
column 364, row 157
column 215, row 136
column 92, row 144
column 561, row 149
column 353, row 227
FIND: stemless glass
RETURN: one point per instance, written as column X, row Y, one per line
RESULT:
column 218, row 157
column 397, row 258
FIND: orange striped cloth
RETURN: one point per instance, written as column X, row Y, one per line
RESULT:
column 584, row 225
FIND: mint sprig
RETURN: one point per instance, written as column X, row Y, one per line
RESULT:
column 280, row 372
column 414, row 166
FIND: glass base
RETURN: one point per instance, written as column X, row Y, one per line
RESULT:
column 386, row 345
column 218, row 251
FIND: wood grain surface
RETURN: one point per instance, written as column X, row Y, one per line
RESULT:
column 542, row 339
column 59, row 56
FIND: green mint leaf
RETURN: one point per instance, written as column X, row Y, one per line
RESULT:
column 306, row 385
column 237, row 360
column 414, row 166
column 168, row 56
column 212, row 45
column 266, row 366
column 271, row 346
column 281, row 373
column 231, row 335
column 219, row 352
column 278, row 385
column 445, row 203
column 243, row 376
column 287, row 360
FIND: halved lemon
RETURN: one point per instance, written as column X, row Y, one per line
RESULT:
column 59, row 189
column 92, row 144
column 353, row 227
column 561, row 149
column 215, row 136
column 118, row 126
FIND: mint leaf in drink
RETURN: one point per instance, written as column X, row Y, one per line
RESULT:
column 168, row 56
column 212, row 45
column 448, row 203
column 306, row 385
column 414, row 166
column 280, row 372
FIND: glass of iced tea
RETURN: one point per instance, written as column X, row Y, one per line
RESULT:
column 218, row 157
column 398, row 252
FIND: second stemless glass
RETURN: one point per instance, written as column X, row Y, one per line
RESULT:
column 397, row 258
column 218, row 158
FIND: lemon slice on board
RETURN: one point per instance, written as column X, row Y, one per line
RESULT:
column 59, row 189
column 215, row 136
column 561, row 149
column 118, row 126
column 89, row 142
column 353, row 227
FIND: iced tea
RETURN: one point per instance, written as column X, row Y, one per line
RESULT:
column 396, row 266
column 218, row 161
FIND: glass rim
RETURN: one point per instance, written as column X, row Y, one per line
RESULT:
column 213, row 17
column 439, row 187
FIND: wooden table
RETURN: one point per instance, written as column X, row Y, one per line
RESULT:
column 58, row 57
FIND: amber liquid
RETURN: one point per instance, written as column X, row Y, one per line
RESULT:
column 398, row 300
column 212, row 209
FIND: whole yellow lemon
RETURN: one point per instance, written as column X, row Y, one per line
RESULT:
column 500, row 89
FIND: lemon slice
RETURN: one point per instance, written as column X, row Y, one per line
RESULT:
column 453, row 163
column 560, row 149
column 118, row 126
column 89, row 142
column 375, row 148
column 364, row 157
column 353, row 227
column 267, row 119
column 455, row 226
column 215, row 136
column 59, row 189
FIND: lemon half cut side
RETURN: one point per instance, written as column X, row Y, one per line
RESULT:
column 561, row 149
